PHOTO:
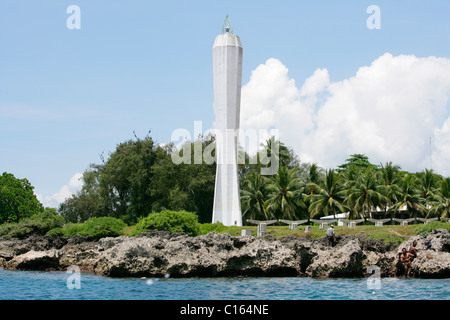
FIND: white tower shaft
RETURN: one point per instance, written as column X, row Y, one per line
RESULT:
column 227, row 70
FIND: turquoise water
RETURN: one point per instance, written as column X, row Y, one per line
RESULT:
column 34, row 285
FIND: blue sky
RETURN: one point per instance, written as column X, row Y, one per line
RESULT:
column 66, row 96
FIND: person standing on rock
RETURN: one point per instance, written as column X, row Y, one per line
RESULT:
column 330, row 236
column 413, row 251
column 405, row 258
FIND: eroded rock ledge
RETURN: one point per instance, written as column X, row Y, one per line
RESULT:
column 156, row 254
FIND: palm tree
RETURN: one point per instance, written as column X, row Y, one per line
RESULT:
column 410, row 196
column 428, row 182
column 440, row 205
column 427, row 186
column 253, row 196
column 274, row 150
column 365, row 195
column 327, row 196
column 285, row 195
column 350, row 175
column 390, row 179
column 312, row 175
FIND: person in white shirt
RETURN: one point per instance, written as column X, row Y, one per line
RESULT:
column 330, row 236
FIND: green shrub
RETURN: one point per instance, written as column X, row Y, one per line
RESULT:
column 422, row 229
column 97, row 227
column 172, row 221
column 56, row 232
column 70, row 229
column 6, row 228
column 210, row 227
column 39, row 223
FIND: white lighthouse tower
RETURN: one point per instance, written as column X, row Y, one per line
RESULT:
column 227, row 70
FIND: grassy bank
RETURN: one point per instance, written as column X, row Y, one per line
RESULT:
column 392, row 234
column 49, row 222
column 388, row 233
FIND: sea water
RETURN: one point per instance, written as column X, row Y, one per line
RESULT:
column 35, row 285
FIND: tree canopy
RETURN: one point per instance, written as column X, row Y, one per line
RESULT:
column 17, row 199
column 359, row 161
column 141, row 177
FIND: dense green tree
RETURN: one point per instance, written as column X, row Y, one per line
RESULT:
column 89, row 201
column 126, row 178
column 357, row 160
column 17, row 199
column 118, row 187
column 188, row 186
column 141, row 177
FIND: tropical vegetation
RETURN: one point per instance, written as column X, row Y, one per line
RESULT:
column 357, row 187
column 139, row 187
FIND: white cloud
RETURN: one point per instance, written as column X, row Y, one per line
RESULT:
column 387, row 110
column 441, row 156
column 75, row 183
column 272, row 100
column 315, row 84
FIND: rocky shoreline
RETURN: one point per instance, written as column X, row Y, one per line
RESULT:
column 158, row 253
